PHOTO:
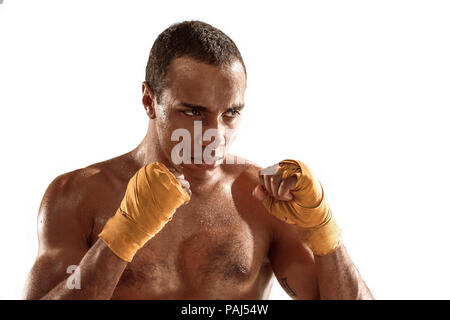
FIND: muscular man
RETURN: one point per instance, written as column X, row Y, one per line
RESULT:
column 145, row 225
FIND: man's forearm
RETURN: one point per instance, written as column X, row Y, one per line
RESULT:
column 338, row 277
column 99, row 271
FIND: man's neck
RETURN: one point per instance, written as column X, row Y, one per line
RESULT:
column 149, row 151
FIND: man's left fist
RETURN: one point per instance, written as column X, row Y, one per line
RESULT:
column 290, row 192
column 272, row 184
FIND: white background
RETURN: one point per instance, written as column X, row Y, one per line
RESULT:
column 359, row 90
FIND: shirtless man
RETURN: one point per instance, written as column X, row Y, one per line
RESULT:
column 211, row 233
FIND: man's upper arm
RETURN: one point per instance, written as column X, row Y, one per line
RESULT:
column 62, row 237
column 293, row 262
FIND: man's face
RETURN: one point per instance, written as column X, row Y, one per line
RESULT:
column 206, row 102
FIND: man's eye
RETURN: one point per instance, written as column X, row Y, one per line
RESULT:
column 232, row 113
column 191, row 112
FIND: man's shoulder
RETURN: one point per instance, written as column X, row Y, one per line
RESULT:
column 74, row 199
column 244, row 176
column 242, row 168
column 75, row 188
column 79, row 180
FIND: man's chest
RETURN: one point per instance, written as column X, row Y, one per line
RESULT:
column 212, row 244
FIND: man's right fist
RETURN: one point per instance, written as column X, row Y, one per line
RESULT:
column 153, row 194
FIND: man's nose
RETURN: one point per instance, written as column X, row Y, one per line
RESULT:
column 207, row 132
column 213, row 131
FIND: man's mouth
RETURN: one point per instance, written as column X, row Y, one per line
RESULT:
column 210, row 164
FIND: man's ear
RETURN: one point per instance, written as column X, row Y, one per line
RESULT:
column 148, row 100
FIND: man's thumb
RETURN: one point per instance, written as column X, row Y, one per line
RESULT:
column 259, row 193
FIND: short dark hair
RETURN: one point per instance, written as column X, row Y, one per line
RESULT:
column 194, row 39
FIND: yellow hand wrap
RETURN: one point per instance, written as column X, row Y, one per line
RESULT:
column 308, row 210
column 153, row 194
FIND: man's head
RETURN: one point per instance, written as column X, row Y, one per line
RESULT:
column 194, row 73
column 195, row 39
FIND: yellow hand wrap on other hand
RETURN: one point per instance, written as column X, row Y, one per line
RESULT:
column 308, row 210
column 152, row 196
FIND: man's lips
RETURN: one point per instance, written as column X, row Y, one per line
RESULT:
column 213, row 162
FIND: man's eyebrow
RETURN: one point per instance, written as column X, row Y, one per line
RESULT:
column 205, row 109
column 194, row 106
